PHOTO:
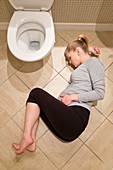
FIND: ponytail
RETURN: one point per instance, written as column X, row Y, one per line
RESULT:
column 84, row 39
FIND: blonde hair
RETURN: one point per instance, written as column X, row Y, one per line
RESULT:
column 82, row 42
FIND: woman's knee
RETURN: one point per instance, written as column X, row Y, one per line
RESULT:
column 34, row 95
column 34, row 92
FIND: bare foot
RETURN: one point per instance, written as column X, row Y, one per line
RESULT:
column 25, row 143
column 30, row 148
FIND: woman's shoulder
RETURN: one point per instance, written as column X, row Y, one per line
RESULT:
column 94, row 61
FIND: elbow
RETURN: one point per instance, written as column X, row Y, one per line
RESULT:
column 101, row 95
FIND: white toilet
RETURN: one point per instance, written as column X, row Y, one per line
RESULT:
column 31, row 34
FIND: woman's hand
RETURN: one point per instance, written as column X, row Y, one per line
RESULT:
column 95, row 50
column 68, row 98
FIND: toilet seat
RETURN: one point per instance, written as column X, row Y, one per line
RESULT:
column 44, row 19
column 30, row 5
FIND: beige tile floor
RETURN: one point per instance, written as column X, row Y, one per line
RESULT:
column 93, row 150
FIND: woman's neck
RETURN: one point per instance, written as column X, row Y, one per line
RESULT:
column 85, row 57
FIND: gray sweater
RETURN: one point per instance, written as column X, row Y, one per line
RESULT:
column 88, row 82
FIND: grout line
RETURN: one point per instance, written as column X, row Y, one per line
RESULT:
column 94, row 153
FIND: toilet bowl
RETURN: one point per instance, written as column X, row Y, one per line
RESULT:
column 31, row 33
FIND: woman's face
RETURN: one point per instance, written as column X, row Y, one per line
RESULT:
column 73, row 58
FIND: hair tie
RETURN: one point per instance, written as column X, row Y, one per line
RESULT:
column 79, row 38
column 82, row 40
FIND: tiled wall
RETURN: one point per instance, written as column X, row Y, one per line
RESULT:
column 83, row 11
column 71, row 11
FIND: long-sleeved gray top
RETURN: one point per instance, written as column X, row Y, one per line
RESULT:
column 88, row 82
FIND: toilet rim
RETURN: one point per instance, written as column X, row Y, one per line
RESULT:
column 35, row 55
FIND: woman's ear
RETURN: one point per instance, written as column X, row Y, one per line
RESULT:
column 78, row 51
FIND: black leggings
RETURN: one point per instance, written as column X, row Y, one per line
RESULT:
column 66, row 122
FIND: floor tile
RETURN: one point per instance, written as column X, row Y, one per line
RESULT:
column 4, row 117
column 14, row 63
column 56, row 86
column 36, row 74
column 106, row 38
column 8, row 64
column 106, row 54
column 106, row 57
column 66, row 72
column 110, row 117
column 8, row 134
column 7, row 57
column 56, row 150
column 97, row 42
column 101, row 143
column 2, row 167
column 105, row 106
column 57, row 59
column 84, row 159
column 59, row 42
column 101, row 166
column 95, row 120
column 5, row 71
column 70, row 35
column 34, row 161
column 3, row 52
column 13, row 95
column 109, row 72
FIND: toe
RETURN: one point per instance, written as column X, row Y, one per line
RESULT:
column 16, row 146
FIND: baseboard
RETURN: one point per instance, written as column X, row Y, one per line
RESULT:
column 85, row 26
column 76, row 26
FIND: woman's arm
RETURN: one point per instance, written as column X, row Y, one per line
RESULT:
column 94, row 51
column 68, row 98
column 97, row 77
